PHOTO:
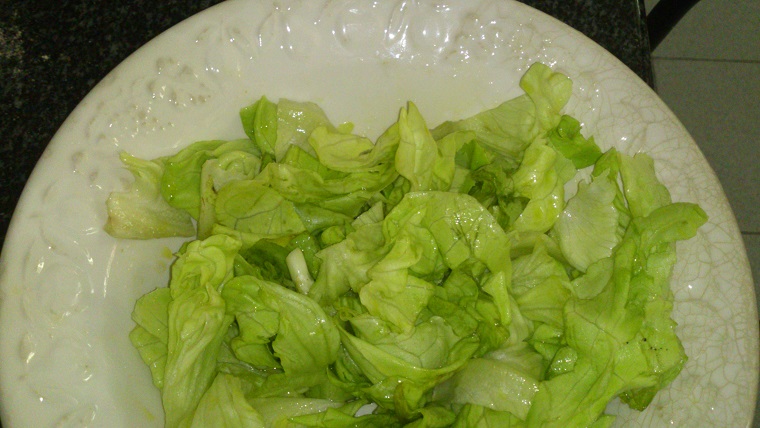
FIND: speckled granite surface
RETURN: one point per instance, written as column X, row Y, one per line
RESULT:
column 53, row 53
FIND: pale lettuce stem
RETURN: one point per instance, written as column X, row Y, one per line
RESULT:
column 299, row 271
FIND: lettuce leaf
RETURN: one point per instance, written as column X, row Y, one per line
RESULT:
column 225, row 405
column 141, row 212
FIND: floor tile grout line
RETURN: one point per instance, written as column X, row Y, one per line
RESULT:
column 699, row 59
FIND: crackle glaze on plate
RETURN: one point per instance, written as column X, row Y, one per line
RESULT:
column 68, row 288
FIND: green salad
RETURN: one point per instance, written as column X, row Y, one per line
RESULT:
column 433, row 277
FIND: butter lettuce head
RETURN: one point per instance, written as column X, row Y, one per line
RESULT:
column 433, row 277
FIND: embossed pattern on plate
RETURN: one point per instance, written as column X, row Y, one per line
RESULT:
column 68, row 288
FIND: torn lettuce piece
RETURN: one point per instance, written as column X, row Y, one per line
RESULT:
column 541, row 179
column 461, row 228
column 253, row 212
column 494, row 384
column 302, row 338
column 280, row 412
column 398, row 384
column 567, row 139
column 275, row 127
column 345, row 265
column 141, row 212
column 217, row 172
column 643, row 190
column 260, row 124
column 197, row 324
column 151, row 333
column 349, row 153
column 512, row 126
column 181, row 181
column 587, row 228
column 224, row 404
column 474, row 416
column 427, row 164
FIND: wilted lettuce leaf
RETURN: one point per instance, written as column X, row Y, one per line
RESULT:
column 509, row 128
column 474, row 416
column 182, row 177
column 280, row 412
column 587, row 228
column 197, row 322
column 333, row 418
column 296, row 329
column 569, row 141
column 141, row 212
column 276, row 127
column 495, row 384
column 428, row 164
column 225, row 405
column 151, row 333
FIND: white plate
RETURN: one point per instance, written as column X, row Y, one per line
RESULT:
column 68, row 288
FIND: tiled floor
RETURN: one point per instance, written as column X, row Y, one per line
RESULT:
column 708, row 72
